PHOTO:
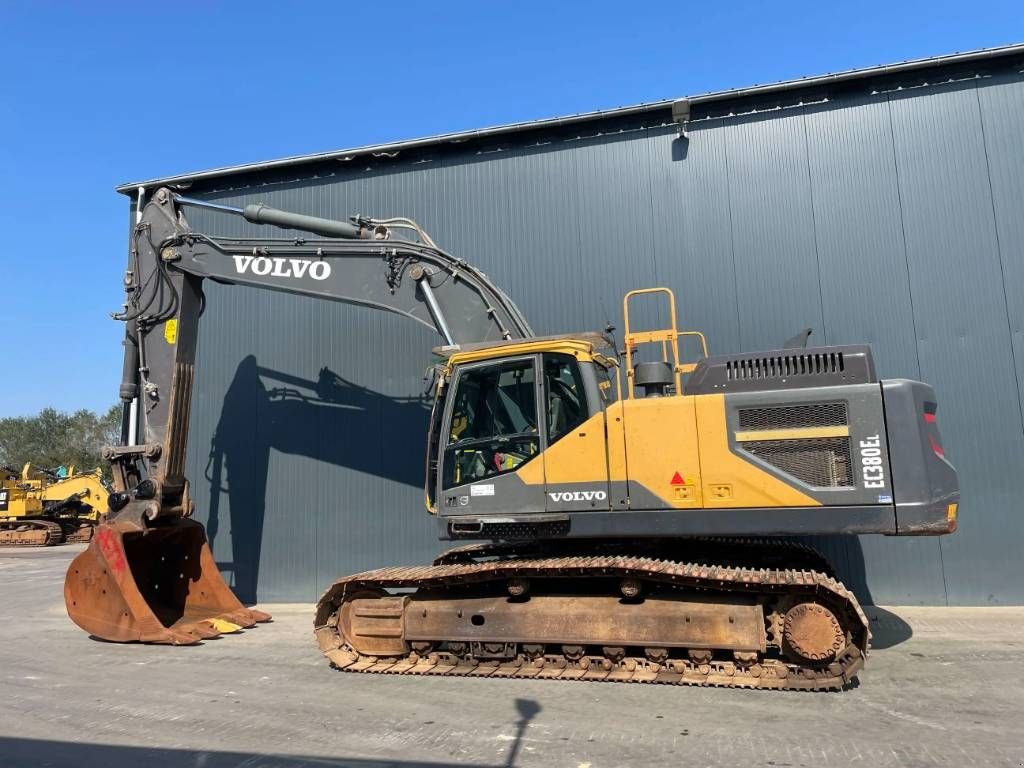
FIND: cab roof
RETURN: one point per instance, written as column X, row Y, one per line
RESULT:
column 586, row 345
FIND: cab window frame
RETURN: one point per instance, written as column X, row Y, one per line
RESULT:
column 583, row 400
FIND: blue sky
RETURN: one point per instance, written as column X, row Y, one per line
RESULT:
column 94, row 94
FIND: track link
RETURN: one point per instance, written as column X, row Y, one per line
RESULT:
column 456, row 570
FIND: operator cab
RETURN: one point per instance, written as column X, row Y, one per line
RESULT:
column 498, row 408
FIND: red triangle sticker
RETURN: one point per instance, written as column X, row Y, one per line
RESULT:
column 677, row 479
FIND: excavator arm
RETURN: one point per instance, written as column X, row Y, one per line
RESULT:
column 149, row 555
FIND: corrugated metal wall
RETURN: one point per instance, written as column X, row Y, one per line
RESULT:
column 893, row 216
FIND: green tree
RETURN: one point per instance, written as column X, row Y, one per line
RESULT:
column 55, row 438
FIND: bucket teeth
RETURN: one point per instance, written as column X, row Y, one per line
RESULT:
column 245, row 617
column 190, row 636
column 259, row 616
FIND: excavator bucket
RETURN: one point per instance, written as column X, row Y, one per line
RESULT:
column 159, row 585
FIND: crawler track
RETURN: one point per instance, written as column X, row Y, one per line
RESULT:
column 774, row 590
column 30, row 533
column 78, row 532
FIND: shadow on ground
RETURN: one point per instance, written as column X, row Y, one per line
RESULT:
column 40, row 753
column 887, row 629
column 37, row 753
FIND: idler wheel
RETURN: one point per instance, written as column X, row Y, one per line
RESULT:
column 811, row 633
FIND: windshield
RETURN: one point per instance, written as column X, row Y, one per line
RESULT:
column 493, row 427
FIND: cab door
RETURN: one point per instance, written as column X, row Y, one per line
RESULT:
column 492, row 462
column 575, row 439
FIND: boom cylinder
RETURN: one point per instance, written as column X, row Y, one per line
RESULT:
column 258, row 213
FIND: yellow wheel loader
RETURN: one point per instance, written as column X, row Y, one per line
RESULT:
column 635, row 506
column 42, row 508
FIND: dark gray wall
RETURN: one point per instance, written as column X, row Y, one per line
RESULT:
column 886, row 214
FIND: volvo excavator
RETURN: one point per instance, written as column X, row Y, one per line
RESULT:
column 620, row 518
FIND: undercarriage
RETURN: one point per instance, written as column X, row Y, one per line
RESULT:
column 711, row 612
column 30, row 532
column 45, row 532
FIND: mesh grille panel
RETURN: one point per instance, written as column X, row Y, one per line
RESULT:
column 823, row 462
column 794, row 416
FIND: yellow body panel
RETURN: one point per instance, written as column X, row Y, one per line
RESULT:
column 579, row 457
column 661, row 443
column 21, row 492
column 20, row 503
column 618, row 468
column 672, row 451
column 87, row 486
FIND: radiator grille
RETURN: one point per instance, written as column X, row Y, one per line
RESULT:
column 794, row 416
column 823, row 462
column 774, row 366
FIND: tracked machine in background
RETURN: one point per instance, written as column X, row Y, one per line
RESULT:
column 41, row 508
column 635, row 511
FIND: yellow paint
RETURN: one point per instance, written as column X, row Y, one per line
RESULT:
column 720, row 490
column 616, row 442
column 645, row 441
column 224, row 626
column 171, row 330
column 683, row 492
column 580, row 349
column 21, row 500
column 577, row 457
column 27, row 495
column 951, row 513
column 661, row 440
column 796, row 433
column 723, row 471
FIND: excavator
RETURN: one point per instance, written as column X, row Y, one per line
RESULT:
column 622, row 514
column 40, row 508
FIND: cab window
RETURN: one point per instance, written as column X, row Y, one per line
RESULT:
column 566, row 406
column 493, row 426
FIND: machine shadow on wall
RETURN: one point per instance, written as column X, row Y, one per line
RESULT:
column 329, row 419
